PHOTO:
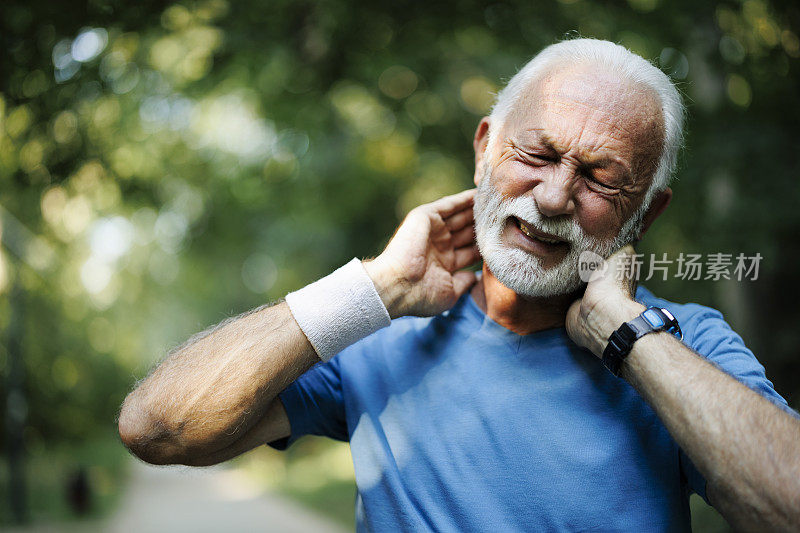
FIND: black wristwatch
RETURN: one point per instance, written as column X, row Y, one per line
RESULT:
column 621, row 341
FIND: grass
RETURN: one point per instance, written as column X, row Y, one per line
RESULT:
column 335, row 499
column 315, row 472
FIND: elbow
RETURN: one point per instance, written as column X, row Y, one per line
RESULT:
column 145, row 436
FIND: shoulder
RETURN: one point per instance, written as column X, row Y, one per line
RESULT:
column 698, row 322
column 707, row 333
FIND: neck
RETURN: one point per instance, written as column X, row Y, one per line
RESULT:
column 522, row 315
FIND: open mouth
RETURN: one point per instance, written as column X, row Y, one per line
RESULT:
column 538, row 236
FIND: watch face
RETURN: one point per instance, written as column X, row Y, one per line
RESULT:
column 653, row 318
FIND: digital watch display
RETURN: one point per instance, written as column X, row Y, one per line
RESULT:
column 620, row 343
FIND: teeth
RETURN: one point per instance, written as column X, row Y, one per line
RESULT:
column 527, row 232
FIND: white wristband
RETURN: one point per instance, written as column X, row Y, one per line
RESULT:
column 339, row 309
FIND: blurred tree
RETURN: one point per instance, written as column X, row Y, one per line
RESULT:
column 164, row 165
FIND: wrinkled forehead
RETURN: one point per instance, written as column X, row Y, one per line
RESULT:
column 586, row 97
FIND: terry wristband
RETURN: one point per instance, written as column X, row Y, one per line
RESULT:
column 339, row 309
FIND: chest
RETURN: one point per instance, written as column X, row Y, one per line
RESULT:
column 545, row 423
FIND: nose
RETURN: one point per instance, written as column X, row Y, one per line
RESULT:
column 553, row 195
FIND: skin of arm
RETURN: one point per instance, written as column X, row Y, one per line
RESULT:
column 216, row 388
column 747, row 449
column 215, row 396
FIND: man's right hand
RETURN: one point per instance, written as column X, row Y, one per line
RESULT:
column 419, row 273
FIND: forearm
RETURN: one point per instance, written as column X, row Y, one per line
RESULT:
column 272, row 426
column 213, row 389
column 745, row 446
column 213, row 397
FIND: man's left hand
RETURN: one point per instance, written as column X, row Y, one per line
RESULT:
column 606, row 303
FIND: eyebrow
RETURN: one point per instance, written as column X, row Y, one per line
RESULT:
column 591, row 161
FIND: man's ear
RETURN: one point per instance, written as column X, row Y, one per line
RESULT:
column 657, row 206
column 479, row 144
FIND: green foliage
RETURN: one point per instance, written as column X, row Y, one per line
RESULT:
column 315, row 471
column 49, row 470
column 177, row 163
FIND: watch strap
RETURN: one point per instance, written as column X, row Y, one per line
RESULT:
column 620, row 343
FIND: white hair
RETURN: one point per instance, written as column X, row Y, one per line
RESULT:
column 628, row 65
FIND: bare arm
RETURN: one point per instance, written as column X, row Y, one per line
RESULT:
column 216, row 396
column 214, row 389
column 746, row 447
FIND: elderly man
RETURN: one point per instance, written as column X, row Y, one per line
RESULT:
column 496, row 413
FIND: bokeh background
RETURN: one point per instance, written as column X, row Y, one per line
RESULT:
column 166, row 165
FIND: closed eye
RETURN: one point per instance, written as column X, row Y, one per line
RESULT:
column 537, row 159
column 599, row 186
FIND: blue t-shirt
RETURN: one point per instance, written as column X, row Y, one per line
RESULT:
column 458, row 424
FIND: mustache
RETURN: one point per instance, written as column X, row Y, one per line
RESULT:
column 565, row 229
column 525, row 209
column 492, row 208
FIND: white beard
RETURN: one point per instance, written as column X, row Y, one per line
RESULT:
column 522, row 271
